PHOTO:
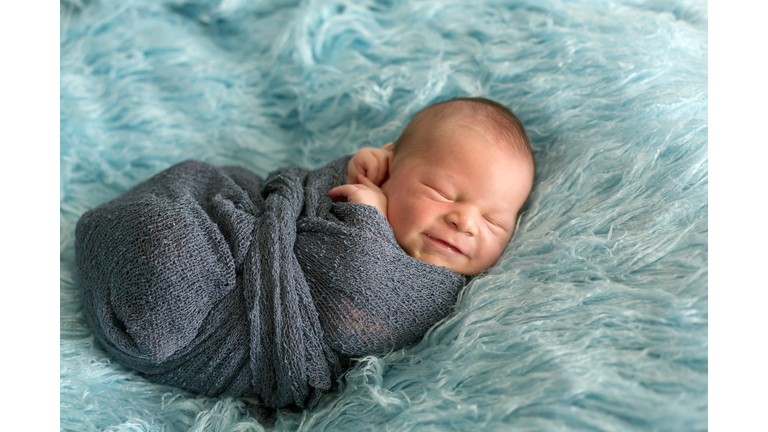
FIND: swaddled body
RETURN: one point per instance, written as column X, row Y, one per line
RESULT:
column 216, row 281
column 213, row 280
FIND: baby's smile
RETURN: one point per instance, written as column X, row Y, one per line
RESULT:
column 442, row 245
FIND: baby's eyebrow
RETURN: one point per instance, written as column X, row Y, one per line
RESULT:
column 442, row 175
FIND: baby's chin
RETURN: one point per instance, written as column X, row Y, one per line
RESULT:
column 438, row 261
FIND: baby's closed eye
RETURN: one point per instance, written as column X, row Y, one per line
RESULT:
column 494, row 222
column 499, row 223
column 439, row 193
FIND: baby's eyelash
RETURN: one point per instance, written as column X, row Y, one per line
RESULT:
column 494, row 222
column 439, row 192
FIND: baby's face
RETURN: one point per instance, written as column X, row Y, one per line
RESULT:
column 455, row 202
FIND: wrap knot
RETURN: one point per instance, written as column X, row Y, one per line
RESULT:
column 289, row 362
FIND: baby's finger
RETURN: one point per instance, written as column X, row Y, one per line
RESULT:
column 359, row 164
column 355, row 168
column 372, row 168
column 382, row 168
column 340, row 193
column 365, row 164
column 363, row 180
column 376, row 168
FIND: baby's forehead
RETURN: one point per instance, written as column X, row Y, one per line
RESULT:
column 497, row 136
column 480, row 117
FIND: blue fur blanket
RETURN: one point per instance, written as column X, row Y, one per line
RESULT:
column 596, row 316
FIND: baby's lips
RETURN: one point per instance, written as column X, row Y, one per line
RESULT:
column 445, row 243
column 462, row 247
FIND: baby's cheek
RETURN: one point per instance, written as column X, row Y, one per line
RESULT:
column 495, row 254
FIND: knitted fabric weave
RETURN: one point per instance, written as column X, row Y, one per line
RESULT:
column 216, row 281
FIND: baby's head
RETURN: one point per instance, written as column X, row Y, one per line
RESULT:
column 461, row 172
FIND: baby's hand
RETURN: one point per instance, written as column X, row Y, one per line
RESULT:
column 372, row 163
column 363, row 192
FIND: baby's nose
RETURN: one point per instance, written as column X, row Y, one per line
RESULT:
column 462, row 221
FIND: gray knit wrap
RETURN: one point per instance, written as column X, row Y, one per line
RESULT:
column 219, row 282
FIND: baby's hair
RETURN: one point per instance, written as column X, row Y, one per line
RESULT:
column 494, row 117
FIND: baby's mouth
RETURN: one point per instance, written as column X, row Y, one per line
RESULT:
column 442, row 244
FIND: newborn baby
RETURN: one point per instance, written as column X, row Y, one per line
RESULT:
column 220, row 282
column 451, row 186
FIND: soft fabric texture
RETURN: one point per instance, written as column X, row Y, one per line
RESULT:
column 595, row 317
column 218, row 282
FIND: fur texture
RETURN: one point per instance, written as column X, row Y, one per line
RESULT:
column 595, row 318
